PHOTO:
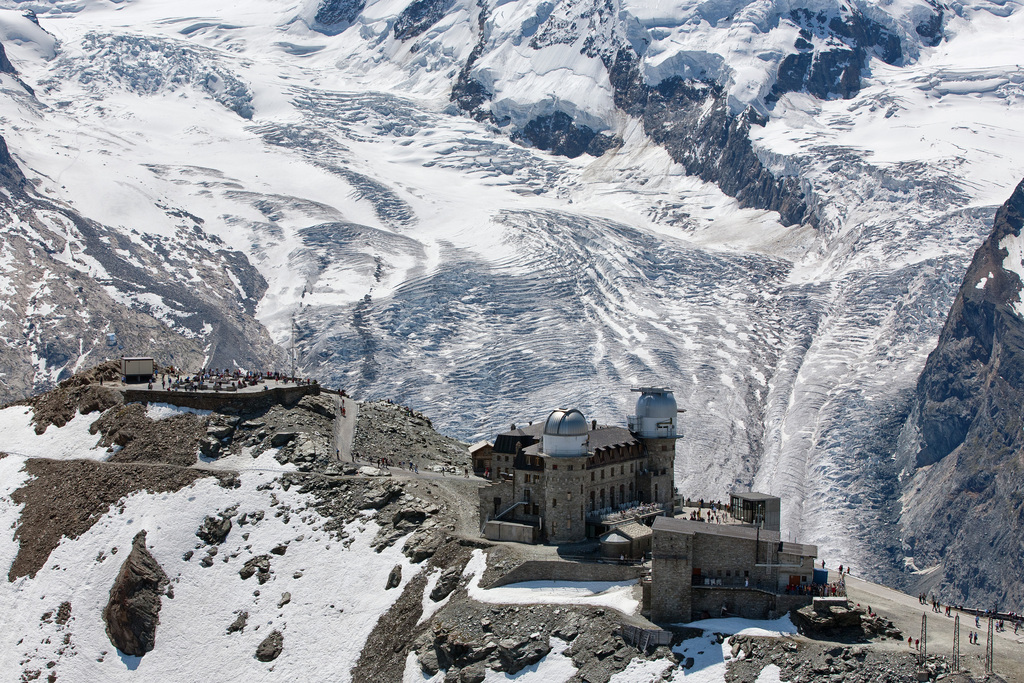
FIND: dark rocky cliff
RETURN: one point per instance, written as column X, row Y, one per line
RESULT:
column 963, row 447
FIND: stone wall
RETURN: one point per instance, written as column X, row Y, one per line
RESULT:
column 486, row 495
column 554, row 570
column 218, row 401
column 671, row 572
column 731, row 559
column 741, row 602
column 510, row 531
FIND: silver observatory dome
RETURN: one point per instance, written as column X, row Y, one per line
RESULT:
column 564, row 422
column 656, row 404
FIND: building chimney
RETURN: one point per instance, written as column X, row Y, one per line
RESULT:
column 513, row 426
column 593, row 425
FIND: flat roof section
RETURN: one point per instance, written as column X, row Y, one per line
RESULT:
column 754, row 496
column 674, row 525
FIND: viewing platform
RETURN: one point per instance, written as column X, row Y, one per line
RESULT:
column 214, row 394
column 630, row 512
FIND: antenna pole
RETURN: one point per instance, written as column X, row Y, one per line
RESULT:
column 956, row 644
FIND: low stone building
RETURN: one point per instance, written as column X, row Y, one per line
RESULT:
column 566, row 477
column 702, row 569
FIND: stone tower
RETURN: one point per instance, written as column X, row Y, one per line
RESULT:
column 565, row 440
column 655, row 423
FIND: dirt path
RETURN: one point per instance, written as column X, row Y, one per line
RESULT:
column 344, row 427
column 905, row 611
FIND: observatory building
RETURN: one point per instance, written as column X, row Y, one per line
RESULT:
column 562, row 480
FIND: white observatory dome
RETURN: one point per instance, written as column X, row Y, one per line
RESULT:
column 566, row 433
column 656, row 414
column 656, row 405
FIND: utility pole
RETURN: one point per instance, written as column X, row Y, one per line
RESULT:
column 956, row 644
column 989, row 653
column 923, row 653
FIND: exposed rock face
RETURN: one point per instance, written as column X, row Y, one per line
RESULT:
column 64, row 498
column 692, row 121
column 419, row 16
column 214, row 529
column 173, row 440
column 334, row 16
column 394, row 578
column 5, row 64
column 850, row 41
column 259, row 565
column 388, row 430
column 77, row 394
column 133, row 612
column 830, row 620
column 806, row 661
column 468, row 93
column 270, row 648
column 10, row 173
column 963, row 442
column 48, row 347
column 558, row 133
column 832, row 72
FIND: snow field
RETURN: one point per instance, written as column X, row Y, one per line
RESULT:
column 616, row 595
column 64, row 443
column 335, row 603
column 162, row 411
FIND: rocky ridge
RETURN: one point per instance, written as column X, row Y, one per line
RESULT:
column 389, row 430
column 961, row 450
column 111, row 280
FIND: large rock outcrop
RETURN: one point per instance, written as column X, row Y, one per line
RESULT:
column 963, row 443
column 133, row 612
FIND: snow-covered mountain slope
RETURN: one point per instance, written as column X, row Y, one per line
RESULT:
column 785, row 199
column 332, row 586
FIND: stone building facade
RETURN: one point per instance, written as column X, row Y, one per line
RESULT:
column 562, row 475
column 699, row 567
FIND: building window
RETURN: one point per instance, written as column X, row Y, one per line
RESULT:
column 591, row 476
column 728, row 572
column 568, row 496
column 554, row 528
column 554, row 502
column 631, row 468
column 602, row 474
column 554, row 467
column 746, row 572
column 536, row 479
column 570, row 468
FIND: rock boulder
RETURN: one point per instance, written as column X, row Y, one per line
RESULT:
column 133, row 611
